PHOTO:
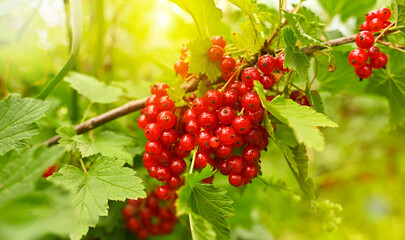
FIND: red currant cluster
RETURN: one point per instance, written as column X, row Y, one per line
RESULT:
column 150, row 216
column 181, row 66
column 376, row 20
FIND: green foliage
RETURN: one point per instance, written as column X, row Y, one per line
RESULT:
column 90, row 191
column 204, row 13
column 66, row 133
column 398, row 8
column 347, row 8
column 247, row 6
column 19, row 170
column 201, row 229
column 93, row 89
column 199, row 62
column 17, row 120
column 294, row 58
column 177, row 94
column 328, row 211
column 106, row 143
column 248, row 40
column 304, row 181
column 390, row 85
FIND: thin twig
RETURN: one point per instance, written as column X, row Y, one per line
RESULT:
column 382, row 33
column 397, row 47
column 82, row 163
column 193, row 160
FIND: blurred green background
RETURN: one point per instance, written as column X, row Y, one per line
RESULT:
column 132, row 44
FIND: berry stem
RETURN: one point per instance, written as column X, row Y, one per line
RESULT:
column 397, row 47
column 316, row 72
column 82, row 163
column 193, row 161
column 382, row 33
column 231, row 79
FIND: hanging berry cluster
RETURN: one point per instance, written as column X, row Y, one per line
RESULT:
column 375, row 21
column 150, row 216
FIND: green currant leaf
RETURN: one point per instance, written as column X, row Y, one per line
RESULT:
column 304, row 181
column 66, row 134
column 176, row 94
column 200, row 62
column 90, row 191
column 247, row 40
column 347, row 8
column 204, row 13
column 286, row 135
column 19, row 170
column 391, row 86
column 247, row 6
column 314, row 100
column 302, row 120
column 294, row 58
column 398, row 8
column 93, row 89
column 17, row 120
column 201, row 229
column 106, row 143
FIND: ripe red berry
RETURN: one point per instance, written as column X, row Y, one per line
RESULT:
column 384, row 14
column 174, row 183
column 203, row 139
column 241, row 124
column 151, row 113
column 152, row 131
column 364, row 71
column 214, row 98
column 235, row 164
column 373, row 52
column 235, row 179
column 365, row 39
column 250, row 74
column 280, row 63
column 181, row 67
column 190, row 114
column 193, row 127
column 227, row 75
column 250, row 101
column 165, row 104
column 166, row 120
column 223, row 151
column 164, row 158
column 215, row 53
column 227, row 64
column 208, row 120
column 168, row 137
column 380, row 61
column 208, row 180
column 201, row 159
column 376, row 24
column 142, row 122
column 133, row 224
column 153, row 147
column 267, row 64
column 128, row 211
column 230, row 98
column 386, row 24
column 187, row 142
column 358, row 57
column 223, row 167
column 251, row 154
column 199, row 105
column 219, row 41
column 160, row 89
column 365, row 27
column 163, row 192
column 238, row 141
column 226, row 115
column 152, row 100
column 256, row 116
column 371, row 15
column 244, row 88
column 163, row 174
column 267, row 80
column 250, row 171
column 214, row 142
column 227, row 135
column 178, row 166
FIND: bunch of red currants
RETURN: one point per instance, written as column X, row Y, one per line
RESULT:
column 376, row 20
column 150, row 216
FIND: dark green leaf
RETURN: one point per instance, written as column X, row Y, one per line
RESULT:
column 304, row 181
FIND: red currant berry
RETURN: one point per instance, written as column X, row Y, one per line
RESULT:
column 178, row 166
column 373, row 52
column 49, row 171
column 384, row 14
column 152, row 100
column 201, row 159
column 267, row 80
column 365, row 40
column 376, row 24
column 214, row 142
column 223, row 151
column 208, row 180
column 166, row 120
column 250, row 74
column 250, row 171
column 179, row 152
column 193, row 127
column 163, row 174
column 181, row 67
column 227, row 64
column 133, row 224
column 187, row 142
column 226, row 115
column 256, row 116
column 227, row 75
column 215, row 53
column 251, row 154
column 164, row 158
column 244, row 88
column 371, row 15
column 128, row 211
column 153, row 147
column 199, row 105
column 174, row 183
column 364, row 72
column 235, row 179
column 223, row 167
column 152, row 131
column 267, row 64
column 203, row 139
column 165, row 104
column 219, row 41
column 142, row 234
column 280, row 63
column 231, row 98
column 168, row 137
column 241, row 124
column 365, row 27
column 142, row 122
column 238, row 141
column 214, row 98
column 208, row 120
column 163, row 192
column 235, row 164
column 386, row 24
column 190, row 115
column 153, row 171
column 358, row 57
column 250, row 101
column 151, row 113
column 380, row 61
column 227, row 135
column 184, row 50
column 160, row 89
